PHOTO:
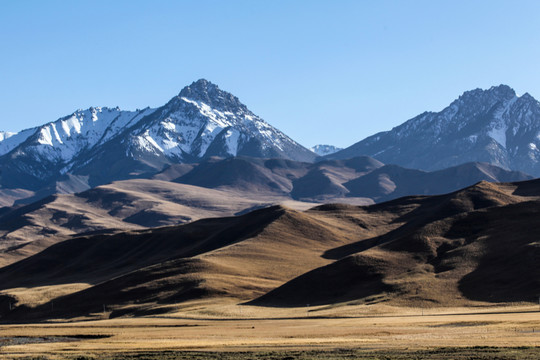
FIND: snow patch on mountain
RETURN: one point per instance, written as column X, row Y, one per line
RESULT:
column 499, row 135
column 232, row 136
column 323, row 150
column 65, row 138
column 147, row 143
column 5, row 135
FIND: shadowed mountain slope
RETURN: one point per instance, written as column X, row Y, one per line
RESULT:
column 258, row 175
column 392, row 181
column 360, row 177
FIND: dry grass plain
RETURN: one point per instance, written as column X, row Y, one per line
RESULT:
column 227, row 330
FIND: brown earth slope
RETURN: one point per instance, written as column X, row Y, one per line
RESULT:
column 488, row 254
column 120, row 206
column 475, row 245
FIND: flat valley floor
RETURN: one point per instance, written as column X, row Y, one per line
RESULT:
column 203, row 330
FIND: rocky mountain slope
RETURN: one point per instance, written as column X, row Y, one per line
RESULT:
column 495, row 126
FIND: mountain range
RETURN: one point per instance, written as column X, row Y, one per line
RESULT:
column 99, row 145
column 495, row 126
column 201, row 199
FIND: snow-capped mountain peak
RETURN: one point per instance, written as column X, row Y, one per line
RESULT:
column 104, row 144
column 204, row 121
column 203, row 91
column 494, row 125
column 323, row 150
column 67, row 137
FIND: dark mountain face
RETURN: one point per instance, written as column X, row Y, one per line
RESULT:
column 494, row 126
column 211, row 95
column 104, row 144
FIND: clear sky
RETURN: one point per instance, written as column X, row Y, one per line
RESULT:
column 331, row 71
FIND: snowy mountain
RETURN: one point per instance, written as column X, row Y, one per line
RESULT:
column 494, row 126
column 100, row 145
column 323, row 150
column 204, row 121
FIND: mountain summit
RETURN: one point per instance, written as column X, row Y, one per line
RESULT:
column 210, row 94
column 495, row 126
column 323, row 149
column 99, row 145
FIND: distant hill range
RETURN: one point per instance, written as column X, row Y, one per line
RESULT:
column 330, row 180
column 223, row 187
column 495, row 126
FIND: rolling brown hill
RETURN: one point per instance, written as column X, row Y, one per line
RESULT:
column 220, row 187
column 475, row 245
column 120, row 206
column 179, row 194
column 325, row 180
column 478, row 244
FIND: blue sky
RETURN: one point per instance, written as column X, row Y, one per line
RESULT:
column 321, row 71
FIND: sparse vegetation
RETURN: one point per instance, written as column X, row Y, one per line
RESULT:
column 464, row 353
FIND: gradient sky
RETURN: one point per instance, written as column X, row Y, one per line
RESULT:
column 321, row 71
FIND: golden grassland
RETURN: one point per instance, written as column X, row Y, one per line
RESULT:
column 227, row 327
